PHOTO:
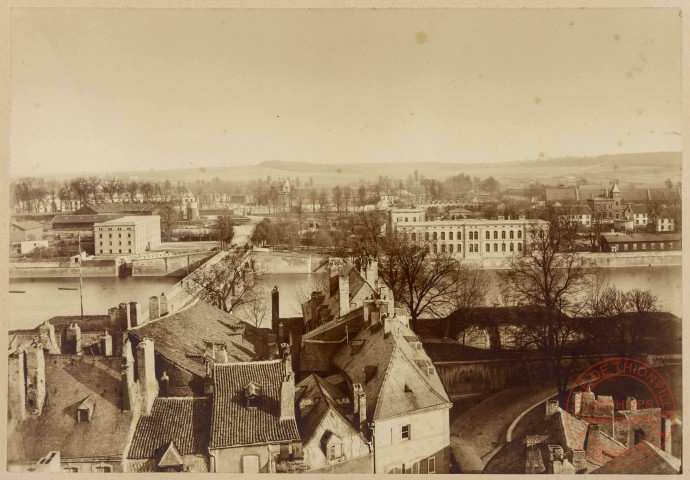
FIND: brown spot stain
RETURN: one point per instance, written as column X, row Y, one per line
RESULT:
column 541, row 154
column 537, row 100
column 411, row 114
column 616, row 37
column 572, row 23
column 37, row 105
column 202, row 169
column 339, row 170
column 620, row 143
column 421, row 37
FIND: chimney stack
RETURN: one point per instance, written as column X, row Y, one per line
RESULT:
column 359, row 403
column 577, row 403
column 386, row 324
column 630, row 403
column 579, row 460
column 287, row 397
column 222, row 354
column 344, row 290
column 107, row 344
column 124, row 322
column 35, row 378
column 135, row 314
column 551, row 407
column 154, row 308
column 208, row 379
column 275, row 308
column 48, row 329
column 148, row 385
column 16, row 397
column 165, row 385
column 73, row 339
column 373, row 273
column 163, row 305
column 129, row 392
column 313, row 304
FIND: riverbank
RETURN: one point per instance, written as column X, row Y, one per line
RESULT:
column 609, row 260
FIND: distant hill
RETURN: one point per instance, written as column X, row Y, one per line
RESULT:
column 635, row 169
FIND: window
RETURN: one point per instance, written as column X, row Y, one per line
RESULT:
column 120, row 250
column 519, row 246
column 495, row 247
column 503, row 246
column 625, row 246
column 100, row 235
column 471, row 248
column 459, row 248
column 110, row 235
column 503, row 235
column 335, row 451
column 435, row 248
column 644, row 246
column 450, row 248
column 487, row 235
column 405, row 432
column 111, row 250
column 511, row 234
column 406, row 219
column 130, row 250
column 100, row 243
column 426, row 236
column 653, row 245
column 450, row 235
column 495, row 235
column 431, row 461
column 129, row 234
column 435, row 236
column 70, row 469
column 634, row 246
column 443, row 235
column 519, row 233
column 119, row 235
column 661, row 246
column 459, row 235
column 250, row 464
column 511, row 247
column 414, row 237
column 443, row 248
column 129, row 242
column 488, row 247
column 103, row 469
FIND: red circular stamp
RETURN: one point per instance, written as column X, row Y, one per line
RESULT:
column 620, row 412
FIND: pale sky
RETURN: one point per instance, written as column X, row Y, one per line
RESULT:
column 112, row 90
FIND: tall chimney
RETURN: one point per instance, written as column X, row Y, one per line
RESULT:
column 148, row 385
column 35, row 378
column 373, row 273
column 135, row 314
column 630, row 403
column 208, row 379
column 222, row 354
column 551, row 407
column 359, row 402
column 125, row 322
column 287, row 397
column 163, row 302
column 48, row 329
column 16, row 395
column 129, row 390
column 107, row 344
column 164, row 385
column 73, row 339
column 344, row 290
column 154, row 308
column 275, row 308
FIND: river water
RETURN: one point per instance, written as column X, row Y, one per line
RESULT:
column 42, row 298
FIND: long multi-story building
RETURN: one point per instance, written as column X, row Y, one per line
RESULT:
column 127, row 235
column 473, row 238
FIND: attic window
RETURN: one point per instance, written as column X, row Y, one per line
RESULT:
column 252, row 393
column 332, row 446
column 85, row 410
column 370, row 372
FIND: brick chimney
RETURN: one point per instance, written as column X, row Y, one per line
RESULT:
column 275, row 308
column 163, row 303
column 287, row 396
column 129, row 389
column 577, row 403
column 35, row 378
column 73, row 339
column 164, row 385
column 154, row 308
column 208, row 379
column 124, row 322
column 359, row 405
column 106, row 344
column 222, row 353
column 135, row 314
column 630, row 403
column 344, row 291
column 48, row 329
column 372, row 273
column 148, row 385
column 551, row 407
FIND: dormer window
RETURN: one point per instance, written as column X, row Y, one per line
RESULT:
column 85, row 410
column 252, row 393
column 332, row 446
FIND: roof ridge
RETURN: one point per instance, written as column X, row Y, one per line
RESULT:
column 187, row 307
column 254, row 362
column 385, row 377
column 419, row 374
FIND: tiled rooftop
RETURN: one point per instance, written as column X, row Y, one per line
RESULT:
column 233, row 423
column 183, row 420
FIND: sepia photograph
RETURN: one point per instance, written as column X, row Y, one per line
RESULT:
column 344, row 240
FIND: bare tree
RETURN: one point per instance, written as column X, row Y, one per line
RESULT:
column 338, row 198
column 226, row 283
column 419, row 279
column 255, row 308
column 551, row 276
column 472, row 286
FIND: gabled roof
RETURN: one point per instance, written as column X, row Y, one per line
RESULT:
column 69, row 381
column 180, row 337
column 141, row 208
column 170, row 456
column 232, row 422
column 183, row 421
column 27, row 225
column 396, row 365
column 84, row 219
column 322, row 398
column 641, row 237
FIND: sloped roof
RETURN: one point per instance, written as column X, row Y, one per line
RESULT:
column 656, row 462
column 70, row 380
column 641, row 237
column 665, row 193
column 85, row 219
column 180, row 337
column 396, row 366
column 232, row 422
column 560, row 194
column 182, row 420
column 116, row 208
column 323, row 397
column 27, row 225
column 170, row 456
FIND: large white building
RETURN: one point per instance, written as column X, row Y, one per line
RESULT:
column 472, row 238
column 127, row 235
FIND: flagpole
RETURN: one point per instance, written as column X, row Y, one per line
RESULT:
column 81, row 284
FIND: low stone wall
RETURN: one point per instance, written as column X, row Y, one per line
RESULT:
column 606, row 259
column 284, row 262
column 178, row 265
column 59, row 268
